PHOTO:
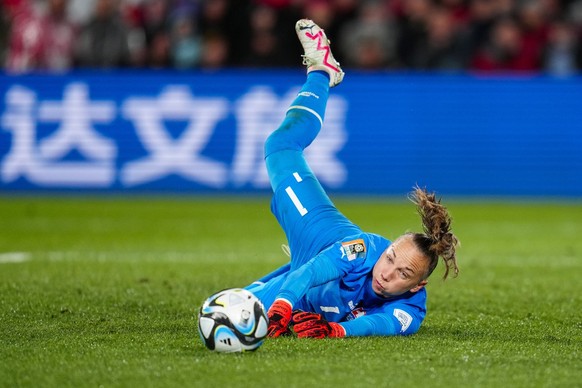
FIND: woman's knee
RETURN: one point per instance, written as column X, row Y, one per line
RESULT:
column 281, row 139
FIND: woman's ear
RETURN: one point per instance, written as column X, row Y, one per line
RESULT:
column 419, row 286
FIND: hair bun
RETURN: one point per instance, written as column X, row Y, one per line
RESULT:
column 436, row 224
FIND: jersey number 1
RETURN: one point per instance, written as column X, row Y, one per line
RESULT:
column 298, row 205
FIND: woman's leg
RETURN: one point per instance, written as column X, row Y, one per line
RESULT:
column 302, row 123
column 307, row 215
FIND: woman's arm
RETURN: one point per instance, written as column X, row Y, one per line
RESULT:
column 319, row 270
column 316, row 271
column 401, row 320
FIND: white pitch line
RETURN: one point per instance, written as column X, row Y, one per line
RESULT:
column 14, row 257
column 120, row 256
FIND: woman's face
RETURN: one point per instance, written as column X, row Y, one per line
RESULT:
column 399, row 269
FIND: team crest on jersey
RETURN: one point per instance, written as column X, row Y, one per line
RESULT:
column 353, row 249
column 357, row 312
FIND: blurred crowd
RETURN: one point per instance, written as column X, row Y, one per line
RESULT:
column 442, row 35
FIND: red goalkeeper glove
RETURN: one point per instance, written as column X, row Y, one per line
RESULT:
column 312, row 325
column 279, row 316
column 300, row 316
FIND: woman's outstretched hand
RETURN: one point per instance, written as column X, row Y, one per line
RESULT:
column 279, row 317
column 313, row 325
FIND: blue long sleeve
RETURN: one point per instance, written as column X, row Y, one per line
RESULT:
column 377, row 324
column 399, row 319
column 316, row 271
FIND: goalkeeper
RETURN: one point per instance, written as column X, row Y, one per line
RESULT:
column 340, row 280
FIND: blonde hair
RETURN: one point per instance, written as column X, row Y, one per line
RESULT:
column 437, row 239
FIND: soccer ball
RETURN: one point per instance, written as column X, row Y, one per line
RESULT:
column 232, row 320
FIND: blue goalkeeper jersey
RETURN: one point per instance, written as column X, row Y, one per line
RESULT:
column 351, row 300
column 337, row 283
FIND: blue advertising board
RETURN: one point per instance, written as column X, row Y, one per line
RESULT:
column 204, row 132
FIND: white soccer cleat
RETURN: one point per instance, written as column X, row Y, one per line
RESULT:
column 318, row 54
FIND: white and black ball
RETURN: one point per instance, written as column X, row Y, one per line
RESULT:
column 232, row 320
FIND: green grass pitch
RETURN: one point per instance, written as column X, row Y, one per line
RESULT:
column 105, row 291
